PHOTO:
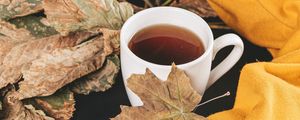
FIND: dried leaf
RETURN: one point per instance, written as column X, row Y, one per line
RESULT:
column 21, row 56
column 62, row 66
column 5, row 46
column 72, row 15
column 33, row 24
column 200, row 7
column 173, row 99
column 60, row 105
column 16, row 8
column 218, row 25
column 15, row 110
column 9, row 37
column 135, row 7
column 99, row 80
column 112, row 35
column 14, row 34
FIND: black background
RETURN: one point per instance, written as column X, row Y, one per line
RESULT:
column 102, row 106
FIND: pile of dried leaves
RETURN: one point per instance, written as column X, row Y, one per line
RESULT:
column 53, row 49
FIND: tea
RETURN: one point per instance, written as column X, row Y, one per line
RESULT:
column 165, row 44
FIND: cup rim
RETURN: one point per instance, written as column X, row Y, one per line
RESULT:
column 149, row 10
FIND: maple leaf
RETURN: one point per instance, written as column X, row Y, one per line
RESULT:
column 173, row 99
column 18, row 56
column 55, row 69
column 62, row 66
column 72, row 15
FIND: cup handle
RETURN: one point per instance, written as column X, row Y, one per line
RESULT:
column 230, row 60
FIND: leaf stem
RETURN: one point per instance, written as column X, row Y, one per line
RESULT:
column 167, row 2
column 218, row 97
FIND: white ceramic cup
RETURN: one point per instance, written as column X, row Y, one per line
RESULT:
column 198, row 70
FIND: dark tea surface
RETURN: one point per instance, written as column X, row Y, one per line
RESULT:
column 165, row 44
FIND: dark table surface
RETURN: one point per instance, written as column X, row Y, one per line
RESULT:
column 102, row 106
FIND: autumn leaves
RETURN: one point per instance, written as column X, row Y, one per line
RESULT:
column 174, row 99
column 45, row 49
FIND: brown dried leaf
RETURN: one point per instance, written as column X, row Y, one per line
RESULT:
column 200, row 7
column 10, row 36
column 14, row 34
column 33, row 23
column 17, row 8
column 60, row 105
column 15, row 110
column 72, row 15
column 173, row 99
column 99, row 80
column 20, row 56
column 5, row 46
column 62, row 66
column 135, row 7
column 112, row 35
column 218, row 25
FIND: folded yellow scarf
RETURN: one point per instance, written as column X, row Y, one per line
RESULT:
column 266, row 90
